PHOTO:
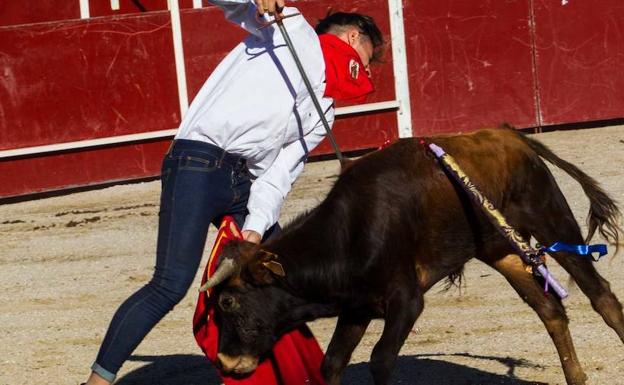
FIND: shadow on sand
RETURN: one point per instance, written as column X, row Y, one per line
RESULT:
column 412, row 370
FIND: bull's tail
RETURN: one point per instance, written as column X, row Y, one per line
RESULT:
column 603, row 211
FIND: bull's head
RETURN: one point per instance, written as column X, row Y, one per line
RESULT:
column 248, row 305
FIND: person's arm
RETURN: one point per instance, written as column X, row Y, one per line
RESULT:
column 242, row 12
column 270, row 189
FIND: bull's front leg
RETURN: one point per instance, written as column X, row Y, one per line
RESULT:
column 349, row 331
column 402, row 309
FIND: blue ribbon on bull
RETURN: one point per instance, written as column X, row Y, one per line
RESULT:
column 586, row 250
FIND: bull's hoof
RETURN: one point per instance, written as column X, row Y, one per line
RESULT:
column 580, row 380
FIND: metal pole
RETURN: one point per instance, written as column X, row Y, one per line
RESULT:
column 291, row 47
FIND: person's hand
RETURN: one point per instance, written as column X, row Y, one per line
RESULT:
column 270, row 6
column 251, row 236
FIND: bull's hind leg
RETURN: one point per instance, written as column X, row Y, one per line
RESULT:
column 549, row 219
column 582, row 270
column 549, row 309
column 349, row 331
column 596, row 288
column 402, row 309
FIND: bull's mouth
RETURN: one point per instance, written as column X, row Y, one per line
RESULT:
column 239, row 365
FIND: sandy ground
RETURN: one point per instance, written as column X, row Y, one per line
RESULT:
column 67, row 262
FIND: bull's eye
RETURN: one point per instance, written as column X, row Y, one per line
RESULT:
column 227, row 302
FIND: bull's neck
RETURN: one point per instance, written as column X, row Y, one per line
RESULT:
column 312, row 253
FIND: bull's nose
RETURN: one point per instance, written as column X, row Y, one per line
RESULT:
column 228, row 363
column 240, row 364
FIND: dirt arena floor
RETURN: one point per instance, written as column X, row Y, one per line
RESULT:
column 67, row 262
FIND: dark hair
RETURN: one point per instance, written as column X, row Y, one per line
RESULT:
column 364, row 23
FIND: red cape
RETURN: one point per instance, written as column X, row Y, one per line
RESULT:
column 296, row 357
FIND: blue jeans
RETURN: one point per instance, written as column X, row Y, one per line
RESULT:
column 200, row 184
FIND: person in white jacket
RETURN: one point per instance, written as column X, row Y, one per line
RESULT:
column 240, row 147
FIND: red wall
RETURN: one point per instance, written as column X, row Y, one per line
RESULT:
column 580, row 60
column 525, row 62
column 23, row 12
column 470, row 64
column 75, row 79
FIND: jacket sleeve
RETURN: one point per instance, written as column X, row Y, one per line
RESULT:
column 269, row 190
column 243, row 13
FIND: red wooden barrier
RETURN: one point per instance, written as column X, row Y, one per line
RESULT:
column 74, row 80
column 470, row 64
column 80, row 168
column 77, row 79
column 24, row 12
column 526, row 62
column 580, row 60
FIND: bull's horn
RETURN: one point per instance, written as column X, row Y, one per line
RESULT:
column 226, row 268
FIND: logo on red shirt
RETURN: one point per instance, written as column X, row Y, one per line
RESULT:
column 354, row 68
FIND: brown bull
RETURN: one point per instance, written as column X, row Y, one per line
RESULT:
column 393, row 225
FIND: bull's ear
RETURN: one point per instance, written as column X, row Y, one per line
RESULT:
column 275, row 267
column 264, row 268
